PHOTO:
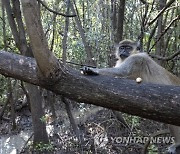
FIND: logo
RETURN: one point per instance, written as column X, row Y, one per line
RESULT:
column 142, row 140
column 100, row 140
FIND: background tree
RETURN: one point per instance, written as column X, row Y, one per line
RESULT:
column 18, row 32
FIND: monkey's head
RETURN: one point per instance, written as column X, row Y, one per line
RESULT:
column 126, row 48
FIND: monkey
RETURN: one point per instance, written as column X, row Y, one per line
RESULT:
column 133, row 64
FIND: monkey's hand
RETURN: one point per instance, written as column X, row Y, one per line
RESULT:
column 89, row 71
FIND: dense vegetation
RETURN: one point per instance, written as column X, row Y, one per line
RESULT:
column 85, row 33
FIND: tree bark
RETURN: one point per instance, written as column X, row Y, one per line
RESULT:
column 38, row 40
column 120, row 21
column 160, row 28
column 152, row 101
column 39, row 125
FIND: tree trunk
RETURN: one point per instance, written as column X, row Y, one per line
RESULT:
column 39, row 124
column 160, row 28
column 64, row 41
column 120, row 21
column 21, row 43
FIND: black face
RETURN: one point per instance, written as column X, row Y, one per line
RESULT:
column 124, row 51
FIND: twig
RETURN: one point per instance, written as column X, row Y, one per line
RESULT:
column 73, row 63
column 2, row 20
column 165, row 30
column 143, row 1
column 143, row 27
column 121, row 119
column 5, row 119
column 26, row 143
column 167, row 5
column 26, row 93
column 55, row 12
column 73, row 123
column 151, row 36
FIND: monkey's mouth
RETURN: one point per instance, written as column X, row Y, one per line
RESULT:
column 123, row 56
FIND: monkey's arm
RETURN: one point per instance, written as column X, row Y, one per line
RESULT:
column 131, row 68
column 115, row 71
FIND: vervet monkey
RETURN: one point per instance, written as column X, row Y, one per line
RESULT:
column 133, row 64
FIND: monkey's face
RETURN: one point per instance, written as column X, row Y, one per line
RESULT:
column 126, row 48
column 124, row 51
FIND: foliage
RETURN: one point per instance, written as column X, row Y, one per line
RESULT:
column 43, row 147
column 3, row 88
column 96, row 18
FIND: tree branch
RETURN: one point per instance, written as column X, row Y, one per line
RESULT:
column 48, row 64
column 143, row 1
column 167, row 5
column 55, row 12
column 165, row 30
column 152, row 101
column 165, row 58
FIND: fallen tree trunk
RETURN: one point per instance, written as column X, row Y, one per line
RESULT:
column 152, row 101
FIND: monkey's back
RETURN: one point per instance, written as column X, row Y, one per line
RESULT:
column 152, row 72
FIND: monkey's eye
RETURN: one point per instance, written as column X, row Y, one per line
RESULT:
column 128, row 48
column 122, row 48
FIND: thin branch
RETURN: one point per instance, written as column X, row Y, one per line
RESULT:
column 55, row 12
column 12, row 22
column 165, row 58
column 73, row 63
column 167, row 5
column 144, row 2
column 26, row 143
column 151, row 36
column 72, row 121
column 26, row 93
column 164, row 32
column 143, row 26
column 172, row 7
column 2, row 20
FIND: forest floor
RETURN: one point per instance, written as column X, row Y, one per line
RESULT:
column 13, row 140
column 100, row 130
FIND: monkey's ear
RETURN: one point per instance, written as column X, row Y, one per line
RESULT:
column 116, row 45
column 138, row 46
